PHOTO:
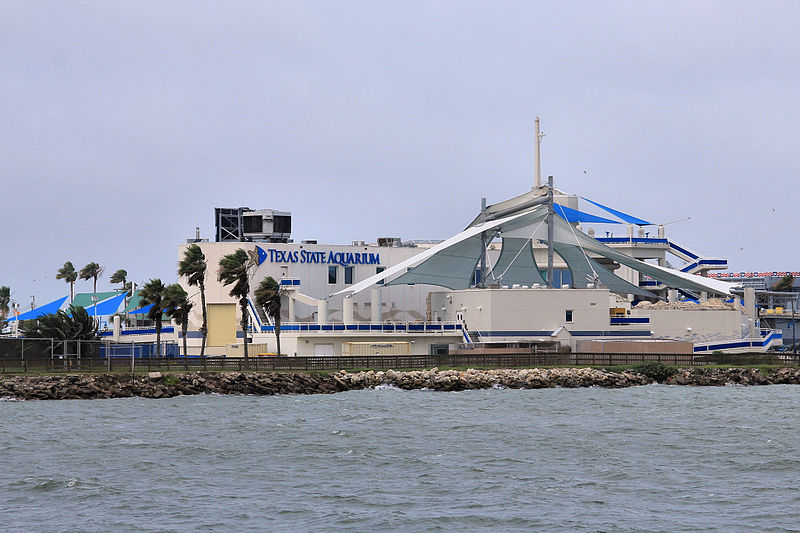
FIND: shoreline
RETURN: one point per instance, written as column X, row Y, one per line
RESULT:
column 157, row 385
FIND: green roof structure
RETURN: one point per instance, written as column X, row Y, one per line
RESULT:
column 84, row 299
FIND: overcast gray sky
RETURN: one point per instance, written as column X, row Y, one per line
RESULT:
column 123, row 124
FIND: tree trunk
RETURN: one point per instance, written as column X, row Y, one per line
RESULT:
column 278, row 332
column 204, row 327
column 158, row 337
column 243, row 306
column 184, row 329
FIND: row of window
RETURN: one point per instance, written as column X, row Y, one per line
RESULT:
column 333, row 274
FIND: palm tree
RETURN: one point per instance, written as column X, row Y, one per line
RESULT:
column 153, row 293
column 193, row 266
column 121, row 276
column 268, row 298
column 68, row 274
column 5, row 299
column 76, row 324
column 91, row 271
column 178, row 306
column 234, row 270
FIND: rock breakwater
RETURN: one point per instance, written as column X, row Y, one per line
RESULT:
column 156, row 385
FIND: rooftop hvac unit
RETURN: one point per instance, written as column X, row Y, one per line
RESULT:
column 243, row 224
column 389, row 241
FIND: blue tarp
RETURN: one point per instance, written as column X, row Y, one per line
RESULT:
column 46, row 309
column 572, row 215
column 627, row 218
column 107, row 307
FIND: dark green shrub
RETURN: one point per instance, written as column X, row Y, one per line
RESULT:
column 655, row 370
column 74, row 324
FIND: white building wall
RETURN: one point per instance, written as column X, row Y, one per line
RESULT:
column 699, row 325
column 294, row 261
column 521, row 310
column 294, row 343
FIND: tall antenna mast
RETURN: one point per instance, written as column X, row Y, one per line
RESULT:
column 537, row 156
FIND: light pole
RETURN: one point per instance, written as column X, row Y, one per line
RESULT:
column 94, row 304
column 794, row 339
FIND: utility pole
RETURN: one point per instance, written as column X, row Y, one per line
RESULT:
column 482, row 282
column 550, row 231
column 537, row 153
column 794, row 340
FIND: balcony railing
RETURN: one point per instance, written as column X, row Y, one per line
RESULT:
column 369, row 327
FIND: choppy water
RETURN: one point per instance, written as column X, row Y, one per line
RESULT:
column 652, row 458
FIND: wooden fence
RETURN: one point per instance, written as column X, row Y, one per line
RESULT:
column 377, row 362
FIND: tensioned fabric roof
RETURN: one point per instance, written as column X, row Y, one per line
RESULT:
column 108, row 307
column 135, row 302
column 84, row 299
column 627, row 218
column 573, row 215
column 403, row 266
column 587, row 270
column 516, row 264
column 529, row 225
column 141, row 311
column 45, row 309
column 452, row 267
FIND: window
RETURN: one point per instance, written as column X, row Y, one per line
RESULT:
column 378, row 270
column 348, row 275
column 568, row 315
column 332, row 271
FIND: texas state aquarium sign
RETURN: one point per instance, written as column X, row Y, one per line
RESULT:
column 304, row 256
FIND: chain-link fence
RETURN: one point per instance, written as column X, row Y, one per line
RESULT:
column 32, row 355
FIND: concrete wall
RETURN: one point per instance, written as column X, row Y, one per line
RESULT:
column 693, row 325
column 644, row 347
column 293, row 343
column 493, row 310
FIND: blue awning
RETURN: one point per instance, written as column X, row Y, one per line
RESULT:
column 106, row 307
column 627, row 218
column 573, row 215
column 46, row 309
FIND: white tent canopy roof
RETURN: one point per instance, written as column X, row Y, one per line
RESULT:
column 527, row 225
column 430, row 252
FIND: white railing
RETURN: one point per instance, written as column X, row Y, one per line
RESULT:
column 369, row 327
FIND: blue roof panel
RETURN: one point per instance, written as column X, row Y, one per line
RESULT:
column 141, row 311
column 627, row 218
column 573, row 215
column 45, row 309
column 107, row 307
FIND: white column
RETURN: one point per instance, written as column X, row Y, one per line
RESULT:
column 347, row 310
column 117, row 331
column 375, row 302
column 291, row 308
column 672, row 295
column 322, row 312
column 750, row 311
